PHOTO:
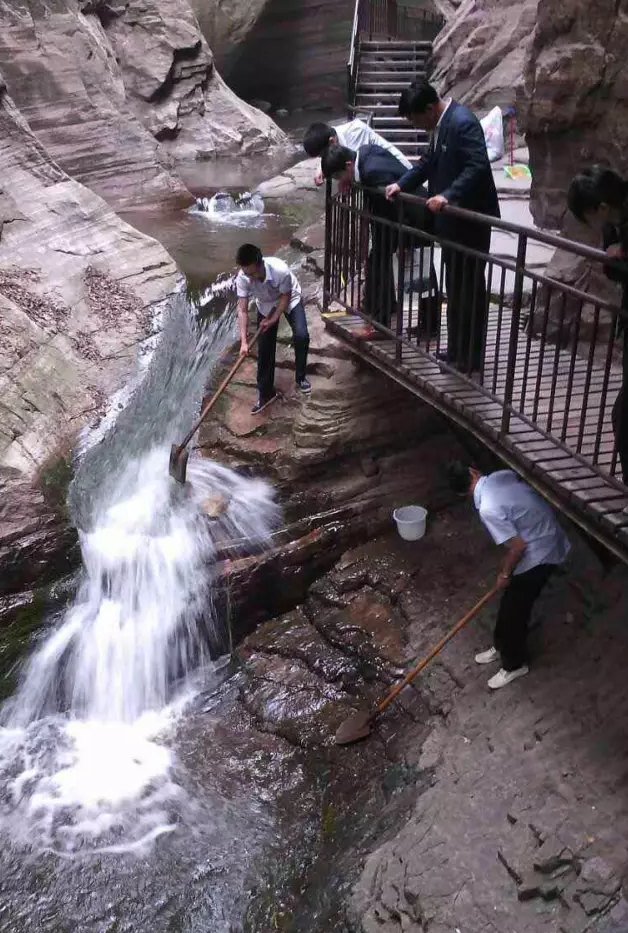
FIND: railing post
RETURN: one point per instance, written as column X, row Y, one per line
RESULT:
column 517, row 300
column 328, row 247
column 401, row 276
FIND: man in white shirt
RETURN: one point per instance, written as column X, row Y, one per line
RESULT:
column 351, row 135
column 271, row 284
column 521, row 520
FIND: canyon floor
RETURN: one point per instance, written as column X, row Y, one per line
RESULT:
column 512, row 812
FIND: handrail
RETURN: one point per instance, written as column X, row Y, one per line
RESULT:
column 351, row 64
column 354, row 34
column 542, row 375
column 541, row 236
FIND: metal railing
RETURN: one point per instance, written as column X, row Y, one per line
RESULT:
column 547, row 353
column 390, row 20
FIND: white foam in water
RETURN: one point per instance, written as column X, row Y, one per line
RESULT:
column 85, row 762
column 245, row 210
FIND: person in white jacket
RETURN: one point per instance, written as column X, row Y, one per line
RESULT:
column 351, row 135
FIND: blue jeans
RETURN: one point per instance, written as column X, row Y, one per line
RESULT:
column 267, row 348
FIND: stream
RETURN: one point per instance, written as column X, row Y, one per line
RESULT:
column 136, row 792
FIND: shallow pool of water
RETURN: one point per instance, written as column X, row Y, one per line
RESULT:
column 203, row 248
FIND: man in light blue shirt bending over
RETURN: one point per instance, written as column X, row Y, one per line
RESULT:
column 519, row 519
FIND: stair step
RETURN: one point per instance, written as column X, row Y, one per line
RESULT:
column 375, row 102
column 364, row 86
column 381, row 110
column 393, row 120
column 413, row 136
column 396, row 44
column 394, row 56
column 367, row 76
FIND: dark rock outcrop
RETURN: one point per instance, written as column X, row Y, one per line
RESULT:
column 292, row 53
column 574, row 105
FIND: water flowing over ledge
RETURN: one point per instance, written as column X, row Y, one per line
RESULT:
column 82, row 754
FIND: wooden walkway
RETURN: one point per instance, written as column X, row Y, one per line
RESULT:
column 557, row 455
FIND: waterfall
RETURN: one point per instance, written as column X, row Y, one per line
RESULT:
column 82, row 761
column 244, row 210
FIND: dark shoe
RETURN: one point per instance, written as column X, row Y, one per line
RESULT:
column 468, row 370
column 304, row 386
column 262, row 404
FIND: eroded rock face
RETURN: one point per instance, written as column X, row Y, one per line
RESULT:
column 480, row 56
column 77, row 286
column 290, row 53
column 117, row 92
column 78, row 290
column 575, row 97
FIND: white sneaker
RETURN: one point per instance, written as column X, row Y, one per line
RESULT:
column 487, row 657
column 502, row 678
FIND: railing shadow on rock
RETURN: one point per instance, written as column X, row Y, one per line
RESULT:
column 538, row 362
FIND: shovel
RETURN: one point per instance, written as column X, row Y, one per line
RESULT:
column 178, row 454
column 359, row 725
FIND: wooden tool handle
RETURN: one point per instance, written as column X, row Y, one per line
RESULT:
column 435, row 650
column 221, row 388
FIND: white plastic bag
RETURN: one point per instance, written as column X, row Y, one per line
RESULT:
column 493, row 126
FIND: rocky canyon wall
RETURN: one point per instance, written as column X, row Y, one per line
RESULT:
column 78, row 290
column 480, row 56
column 575, row 98
column 119, row 90
column 560, row 65
column 291, row 53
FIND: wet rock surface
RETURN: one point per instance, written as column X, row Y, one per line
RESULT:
column 342, row 459
column 524, row 826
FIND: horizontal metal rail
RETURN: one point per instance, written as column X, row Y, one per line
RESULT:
column 544, row 355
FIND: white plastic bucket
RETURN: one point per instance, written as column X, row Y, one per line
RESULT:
column 410, row 522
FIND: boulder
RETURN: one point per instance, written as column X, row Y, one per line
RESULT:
column 480, row 56
column 574, row 101
column 118, row 92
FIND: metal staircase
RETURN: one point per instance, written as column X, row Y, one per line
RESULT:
column 381, row 65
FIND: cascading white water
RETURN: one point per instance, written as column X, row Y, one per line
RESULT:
column 244, row 210
column 80, row 763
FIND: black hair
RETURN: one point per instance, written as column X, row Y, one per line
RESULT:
column 417, row 98
column 334, row 160
column 458, row 477
column 249, row 255
column 317, row 138
column 593, row 187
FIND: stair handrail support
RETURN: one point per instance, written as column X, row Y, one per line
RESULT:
column 353, row 55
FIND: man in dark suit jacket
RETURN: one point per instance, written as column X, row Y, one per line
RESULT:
column 375, row 167
column 458, row 172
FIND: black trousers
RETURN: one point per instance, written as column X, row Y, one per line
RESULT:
column 267, row 349
column 620, row 415
column 467, row 299
column 511, row 628
column 380, row 296
column 380, row 299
